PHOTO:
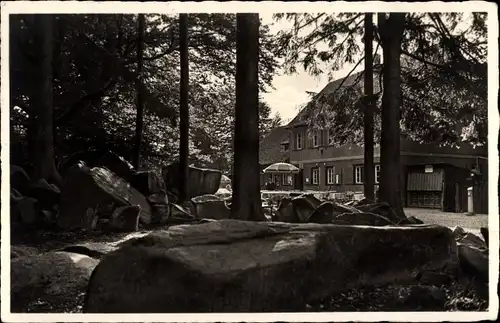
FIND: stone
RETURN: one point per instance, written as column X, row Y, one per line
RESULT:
column 363, row 218
column 25, row 210
column 19, row 179
column 473, row 240
column 201, row 181
column 50, row 277
column 86, row 189
column 180, row 215
column 286, row 211
column 246, row 266
column 458, row 233
column 313, row 200
column 161, row 213
column 473, row 261
column 485, row 233
column 99, row 158
column 304, row 207
column 211, row 209
column 125, row 219
column 363, row 201
column 47, row 194
column 22, row 251
column 324, row 213
column 158, row 198
column 94, row 250
column 382, row 209
column 414, row 220
column 148, row 182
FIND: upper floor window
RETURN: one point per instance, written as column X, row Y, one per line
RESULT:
column 299, row 140
column 330, row 135
column 315, row 138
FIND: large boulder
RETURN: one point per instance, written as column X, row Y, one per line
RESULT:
column 363, row 218
column 24, row 209
column 99, row 158
column 201, row 181
column 179, row 215
column 125, row 219
column 19, row 179
column 485, row 233
column 47, row 194
column 473, row 240
column 327, row 211
column 148, row 183
column 473, row 261
column 286, row 212
column 240, row 266
column 210, row 207
column 304, row 206
column 86, row 189
column 54, row 277
column 383, row 209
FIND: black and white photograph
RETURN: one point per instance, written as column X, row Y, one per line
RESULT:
column 259, row 161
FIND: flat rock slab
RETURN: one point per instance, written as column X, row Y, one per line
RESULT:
column 49, row 277
column 240, row 266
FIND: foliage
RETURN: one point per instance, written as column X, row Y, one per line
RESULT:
column 444, row 73
column 94, row 73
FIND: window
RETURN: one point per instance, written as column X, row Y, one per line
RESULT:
column 315, row 176
column 330, row 137
column 358, row 174
column 377, row 174
column 330, row 175
column 299, row 140
column 315, row 139
column 287, row 179
column 337, row 178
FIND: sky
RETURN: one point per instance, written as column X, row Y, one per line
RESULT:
column 290, row 90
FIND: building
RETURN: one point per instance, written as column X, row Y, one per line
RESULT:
column 432, row 176
column 275, row 148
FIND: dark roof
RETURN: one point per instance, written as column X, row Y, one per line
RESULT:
column 270, row 146
column 330, row 88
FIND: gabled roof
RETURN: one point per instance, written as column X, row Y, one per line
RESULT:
column 270, row 146
column 330, row 88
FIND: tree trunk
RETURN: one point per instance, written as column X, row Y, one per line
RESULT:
column 44, row 164
column 140, row 101
column 184, row 109
column 247, row 203
column 391, row 30
column 369, row 166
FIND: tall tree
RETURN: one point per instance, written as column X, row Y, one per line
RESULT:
column 247, row 203
column 44, row 167
column 369, row 165
column 140, row 102
column 391, row 28
column 184, row 108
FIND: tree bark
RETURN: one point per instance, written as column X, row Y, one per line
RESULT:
column 247, row 203
column 140, row 102
column 44, row 164
column 369, row 166
column 391, row 30
column 184, row 109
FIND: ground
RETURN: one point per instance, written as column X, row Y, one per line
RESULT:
column 468, row 223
